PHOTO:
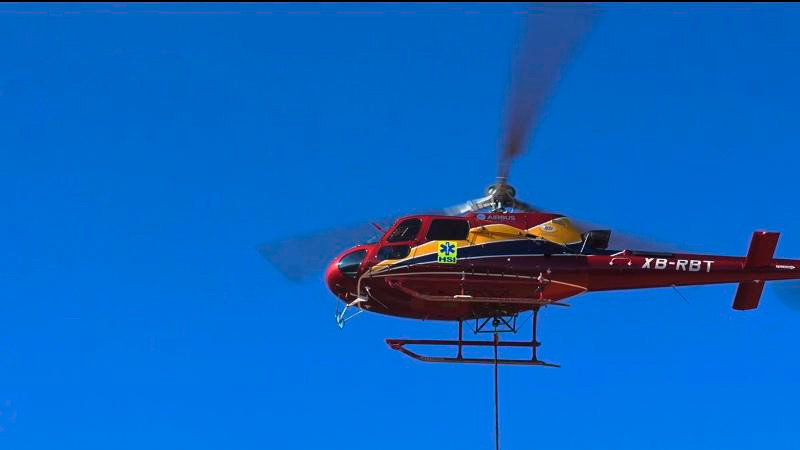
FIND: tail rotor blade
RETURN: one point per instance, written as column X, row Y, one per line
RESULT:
column 788, row 292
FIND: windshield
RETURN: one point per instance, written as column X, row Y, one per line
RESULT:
column 349, row 263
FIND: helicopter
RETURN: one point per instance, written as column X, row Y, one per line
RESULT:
column 490, row 260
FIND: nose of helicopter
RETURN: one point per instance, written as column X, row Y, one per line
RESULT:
column 334, row 279
column 341, row 273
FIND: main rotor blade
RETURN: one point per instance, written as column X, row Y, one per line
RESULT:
column 469, row 206
column 626, row 241
column 301, row 257
column 526, row 207
column 550, row 37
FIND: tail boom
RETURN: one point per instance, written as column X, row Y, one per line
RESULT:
column 636, row 270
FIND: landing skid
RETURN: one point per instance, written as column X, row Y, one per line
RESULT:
column 500, row 325
column 399, row 345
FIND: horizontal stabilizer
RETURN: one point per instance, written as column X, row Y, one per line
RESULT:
column 760, row 253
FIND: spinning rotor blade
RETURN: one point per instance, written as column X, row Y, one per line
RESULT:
column 301, row 257
column 549, row 39
column 522, row 206
column 472, row 205
column 625, row 241
column 788, row 292
column 486, row 202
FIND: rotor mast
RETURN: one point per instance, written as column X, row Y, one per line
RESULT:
column 502, row 195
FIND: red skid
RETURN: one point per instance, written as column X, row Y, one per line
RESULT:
column 399, row 345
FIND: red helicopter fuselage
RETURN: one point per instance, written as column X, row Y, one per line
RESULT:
column 489, row 264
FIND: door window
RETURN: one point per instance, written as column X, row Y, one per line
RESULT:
column 393, row 252
column 448, row 230
column 407, row 230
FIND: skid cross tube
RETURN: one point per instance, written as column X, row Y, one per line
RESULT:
column 460, row 343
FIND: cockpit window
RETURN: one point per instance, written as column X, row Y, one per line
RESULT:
column 348, row 265
column 448, row 230
column 406, row 231
column 393, row 252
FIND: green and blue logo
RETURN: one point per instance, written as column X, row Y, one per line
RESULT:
column 448, row 252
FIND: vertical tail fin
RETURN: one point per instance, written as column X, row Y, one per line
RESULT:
column 762, row 248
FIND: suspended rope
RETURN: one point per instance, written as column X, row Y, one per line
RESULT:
column 496, row 398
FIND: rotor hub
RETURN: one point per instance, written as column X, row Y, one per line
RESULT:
column 502, row 194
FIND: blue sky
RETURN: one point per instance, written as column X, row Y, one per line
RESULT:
column 146, row 151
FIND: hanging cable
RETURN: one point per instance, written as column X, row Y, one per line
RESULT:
column 496, row 397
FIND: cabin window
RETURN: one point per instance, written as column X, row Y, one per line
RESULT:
column 349, row 263
column 406, row 231
column 448, row 230
column 393, row 252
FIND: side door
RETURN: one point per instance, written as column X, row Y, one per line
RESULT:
column 398, row 241
column 446, row 235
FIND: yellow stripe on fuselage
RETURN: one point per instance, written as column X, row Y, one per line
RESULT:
column 559, row 231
